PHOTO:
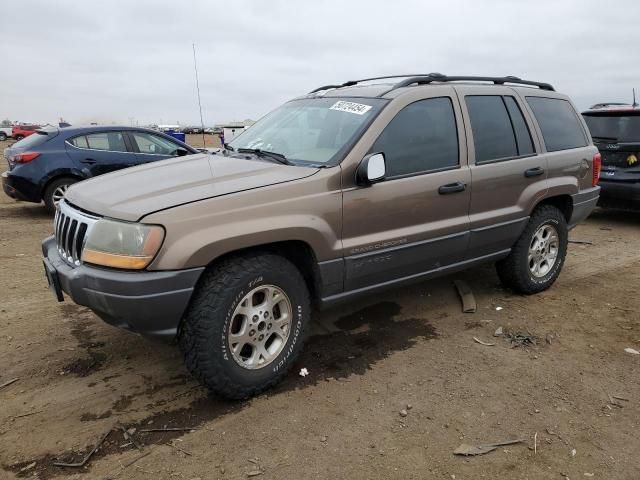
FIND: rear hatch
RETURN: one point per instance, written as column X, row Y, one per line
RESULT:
column 30, row 143
column 616, row 133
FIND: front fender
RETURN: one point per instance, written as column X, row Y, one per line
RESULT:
column 307, row 210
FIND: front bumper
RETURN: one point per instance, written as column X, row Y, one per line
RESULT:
column 583, row 204
column 149, row 303
column 19, row 189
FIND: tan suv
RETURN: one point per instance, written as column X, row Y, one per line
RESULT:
column 345, row 191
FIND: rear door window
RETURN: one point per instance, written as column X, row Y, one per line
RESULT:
column 493, row 135
column 559, row 123
column 422, row 137
column 520, row 128
column 108, row 141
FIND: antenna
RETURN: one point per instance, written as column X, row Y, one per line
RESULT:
column 635, row 104
column 195, row 67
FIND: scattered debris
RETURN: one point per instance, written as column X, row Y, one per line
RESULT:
column 323, row 438
column 254, row 473
column 573, row 452
column 304, row 372
column 28, row 467
column 469, row 450
column 129, row 437
column 522, row 339
column 588, row 474
column 498, row 332
column 28, row 414
column 87, row 456
column 535, row 444
column 9, row 382
column 620, row 397
column 149, row 430
column 179, row 449
column 409, row 406
column 498, row 309
column 632, row 351
column 606, row 229
column 477, row 340
column 403, row 413
column 581, row 242
column 466, row 295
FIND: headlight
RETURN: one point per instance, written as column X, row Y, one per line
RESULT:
column 122, row 245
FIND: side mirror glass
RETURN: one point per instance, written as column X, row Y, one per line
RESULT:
column 181, row 152
column 372, row 169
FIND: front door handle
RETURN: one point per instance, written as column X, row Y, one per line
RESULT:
column 88, row 161
column 452, row 188
column 534, row 172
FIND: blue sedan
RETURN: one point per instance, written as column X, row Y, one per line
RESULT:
column 43, row 165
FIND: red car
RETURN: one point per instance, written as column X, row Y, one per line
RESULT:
column 20, row 131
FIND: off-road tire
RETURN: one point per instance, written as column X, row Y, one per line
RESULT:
column 203, row 336
column 51, row 188
column 514, row 270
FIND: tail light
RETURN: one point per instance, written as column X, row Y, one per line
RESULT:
column 597, row 166
column 25, row 157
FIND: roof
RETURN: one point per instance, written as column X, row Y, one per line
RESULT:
column 89, row 128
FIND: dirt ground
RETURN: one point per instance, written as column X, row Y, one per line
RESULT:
column 573, row 397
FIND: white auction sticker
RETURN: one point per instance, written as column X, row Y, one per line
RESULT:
column 351, row 107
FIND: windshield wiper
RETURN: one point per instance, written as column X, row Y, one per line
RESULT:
column 606, row 139
column 278, row 157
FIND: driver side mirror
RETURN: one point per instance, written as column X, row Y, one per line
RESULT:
column 181, row 152
column 371, row 170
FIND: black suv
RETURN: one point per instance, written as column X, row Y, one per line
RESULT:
column 615, row 129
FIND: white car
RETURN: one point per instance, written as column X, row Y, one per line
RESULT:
column 5, row 132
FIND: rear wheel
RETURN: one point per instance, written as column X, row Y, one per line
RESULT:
column 55, row 192
column 19, row 137
column 246, row 324
column 537, row 257
column 3, row 136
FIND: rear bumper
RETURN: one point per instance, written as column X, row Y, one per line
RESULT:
column 149, row 303
column 20, row 189
column 623, row 194
column 583, row 204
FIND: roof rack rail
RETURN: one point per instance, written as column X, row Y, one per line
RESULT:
column 438, row 77
column 351, row 83
column 422, row 78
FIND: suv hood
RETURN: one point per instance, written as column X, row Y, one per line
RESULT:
column 132, row 193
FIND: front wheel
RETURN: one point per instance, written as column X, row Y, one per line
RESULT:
column 19, row 137
column 3, row 136
column 246, row 324
column 537, row 257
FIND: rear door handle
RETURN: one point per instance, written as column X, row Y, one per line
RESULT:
column 452, row 188
column 89, row 161
column 534, row 172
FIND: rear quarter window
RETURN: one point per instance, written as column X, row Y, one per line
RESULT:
column 559, row 123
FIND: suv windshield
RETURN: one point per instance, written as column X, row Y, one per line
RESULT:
column 614, row 126
column 316, row 130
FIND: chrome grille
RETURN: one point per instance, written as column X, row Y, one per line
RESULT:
column 71, row 228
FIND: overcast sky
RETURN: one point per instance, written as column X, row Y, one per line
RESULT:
column 132, row 60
